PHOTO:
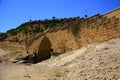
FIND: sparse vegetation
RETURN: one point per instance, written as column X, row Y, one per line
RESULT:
column 58, row 73
column 32, row 28
column 3, row 36
column 12, row 32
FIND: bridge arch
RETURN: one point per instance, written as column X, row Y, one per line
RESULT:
column 44, row 49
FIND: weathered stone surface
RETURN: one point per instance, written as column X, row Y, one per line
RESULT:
column 94, row 29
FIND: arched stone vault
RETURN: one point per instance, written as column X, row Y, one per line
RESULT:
column 44, row 49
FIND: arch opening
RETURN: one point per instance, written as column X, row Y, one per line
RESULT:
column 44, row 51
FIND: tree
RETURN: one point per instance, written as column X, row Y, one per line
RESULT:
column 37, row 29
column 25, row 30
column 53, row 18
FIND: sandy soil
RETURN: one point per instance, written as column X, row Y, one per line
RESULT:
column 2, row 52
column 97, row 61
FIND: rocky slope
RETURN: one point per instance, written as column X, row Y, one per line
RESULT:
column 96, row 61
column 10, row 51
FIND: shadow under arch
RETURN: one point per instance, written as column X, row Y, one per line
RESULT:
column 44, row 51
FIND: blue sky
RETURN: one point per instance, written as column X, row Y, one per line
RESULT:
column 15, row 12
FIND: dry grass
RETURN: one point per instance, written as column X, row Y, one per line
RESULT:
column 11, row 47
column 12, row 50
column 11, row 55
column 57, row 72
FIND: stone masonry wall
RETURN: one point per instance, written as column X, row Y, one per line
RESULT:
column 97, row 28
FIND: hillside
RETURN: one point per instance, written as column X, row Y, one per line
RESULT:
column 10, row 51
column 28, row 30
column 96, row 61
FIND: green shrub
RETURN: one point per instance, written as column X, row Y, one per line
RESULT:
column 3, row 36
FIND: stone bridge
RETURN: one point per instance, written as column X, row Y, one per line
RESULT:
column 57, row 40
column 75, row 35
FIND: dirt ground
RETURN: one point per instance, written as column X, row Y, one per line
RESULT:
column 96, row 61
